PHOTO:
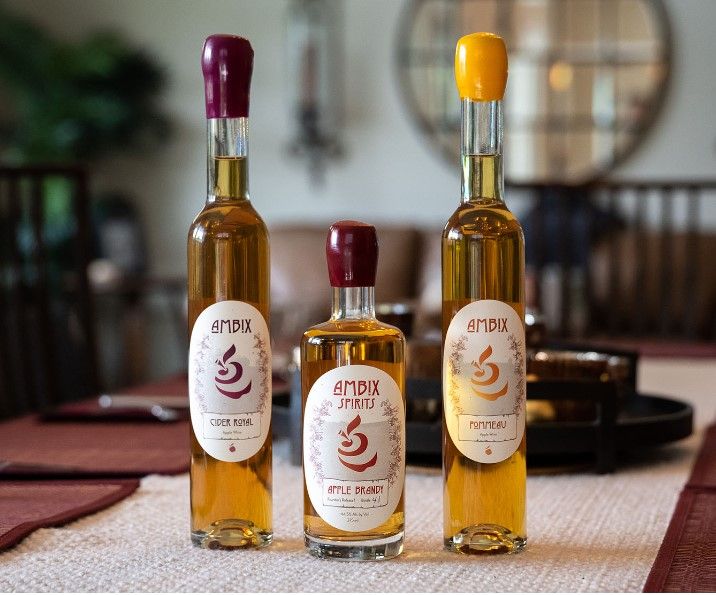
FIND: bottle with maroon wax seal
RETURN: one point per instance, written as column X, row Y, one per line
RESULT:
column 353, row 387
column 230, row 351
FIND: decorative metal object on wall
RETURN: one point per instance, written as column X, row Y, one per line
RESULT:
column 315, row 69
column 587, row 78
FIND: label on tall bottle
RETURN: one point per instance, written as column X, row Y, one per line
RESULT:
column 354, row 447
column 484, row 380
column 230, row 380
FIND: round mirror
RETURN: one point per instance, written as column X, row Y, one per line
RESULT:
column 587, row 78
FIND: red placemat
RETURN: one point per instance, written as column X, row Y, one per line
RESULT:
column 29, row 505
column 686, row 561
column 703, row 474
column 31, row 446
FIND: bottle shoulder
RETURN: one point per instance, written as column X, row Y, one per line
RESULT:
column 482, row 219
column 235, row 217
column 352, row 330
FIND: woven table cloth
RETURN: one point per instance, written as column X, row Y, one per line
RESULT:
column 586, row 532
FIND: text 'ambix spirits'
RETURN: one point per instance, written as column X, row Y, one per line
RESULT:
column 230, row 350
column 483, row 325
column 353, row 387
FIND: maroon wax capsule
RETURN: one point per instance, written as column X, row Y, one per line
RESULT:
column 352, row 254
column 227, row 63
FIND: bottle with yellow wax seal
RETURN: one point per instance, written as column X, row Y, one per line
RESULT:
column 484, row 467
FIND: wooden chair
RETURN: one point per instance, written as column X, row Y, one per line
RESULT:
column 47, row 341
column 644, row 272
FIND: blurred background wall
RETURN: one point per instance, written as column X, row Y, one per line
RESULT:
column 389, row 173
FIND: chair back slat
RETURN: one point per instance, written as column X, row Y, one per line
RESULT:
column 7, row 375
column 47, row 383
column 613, row 318
column 537, row 223
column 14, row 313
column 692, row 280
column 587, row 305
column 564, row 246
column 640, row 261
column 666, row 268
column 84, row 294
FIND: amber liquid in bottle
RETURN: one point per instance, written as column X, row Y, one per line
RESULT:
column 228, row 257
column 352, row 337
column 482, row 259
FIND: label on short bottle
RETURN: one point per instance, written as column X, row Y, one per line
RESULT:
column 354, row 447
column 484, row 381
column 230, row 380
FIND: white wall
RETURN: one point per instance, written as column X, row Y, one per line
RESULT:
column 389, row 174
column 682, row 144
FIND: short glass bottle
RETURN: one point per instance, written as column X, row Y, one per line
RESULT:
column 353, row 387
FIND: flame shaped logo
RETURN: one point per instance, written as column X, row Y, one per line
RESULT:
column 229, row 375
column 353, row 445
column 479, row 381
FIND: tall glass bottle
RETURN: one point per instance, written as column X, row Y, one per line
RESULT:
column 353, row 386
column 230, row 353
column 484, row 466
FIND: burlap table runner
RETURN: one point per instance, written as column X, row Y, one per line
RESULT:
column 586, row 533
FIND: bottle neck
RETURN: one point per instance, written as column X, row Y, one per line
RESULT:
column 481, row 151
column 227, row 159
column 353, row 302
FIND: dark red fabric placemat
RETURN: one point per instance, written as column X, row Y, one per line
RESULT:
column 29, row 505
column 703, row 475
column 686, row 561
column 90, row 448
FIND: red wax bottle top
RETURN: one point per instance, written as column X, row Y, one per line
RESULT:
column 227, row 63
column 352, row 254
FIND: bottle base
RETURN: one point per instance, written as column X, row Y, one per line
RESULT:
column 374, row 549
column 485, row 539
column 231, row 534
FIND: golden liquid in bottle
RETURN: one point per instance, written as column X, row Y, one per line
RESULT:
column 229, row 260
column 483, row 258
column 358, row 342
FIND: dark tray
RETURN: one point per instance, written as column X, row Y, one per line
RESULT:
column 645, row 421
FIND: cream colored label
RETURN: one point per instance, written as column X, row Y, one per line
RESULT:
column 354, row 447
column 484, row 380
column 230, row 380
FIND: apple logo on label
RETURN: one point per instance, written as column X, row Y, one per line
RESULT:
column 232, row 448
column 488, row 451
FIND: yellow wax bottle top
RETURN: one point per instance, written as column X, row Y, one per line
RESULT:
column 481, row 67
